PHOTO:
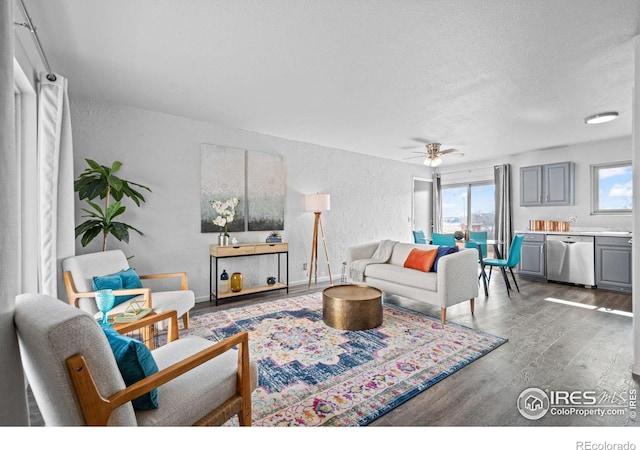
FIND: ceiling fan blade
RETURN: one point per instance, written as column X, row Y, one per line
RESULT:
column 455, row 154
column 421, row 140
column 414, row 157
column 449, row 150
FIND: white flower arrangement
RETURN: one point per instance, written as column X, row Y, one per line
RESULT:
column 226, row 212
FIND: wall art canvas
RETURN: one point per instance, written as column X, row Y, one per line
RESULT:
column 266, row 191
column 222, row 177
column 256, row 179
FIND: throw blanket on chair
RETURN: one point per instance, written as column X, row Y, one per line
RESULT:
column 380, row 256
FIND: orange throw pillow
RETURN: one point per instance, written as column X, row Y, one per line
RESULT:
column 421, row 259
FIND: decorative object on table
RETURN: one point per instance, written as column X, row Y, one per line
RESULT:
column 342, row 378
column 224, row 282
column 257, row 179
column 274, row 236
column 135, row 311
column 458, row 235
column 226, row 213
column 317, row 203
column 236, row 282
column 234, row 241
column 271, row 280
column 104, row 301
column 100, row 181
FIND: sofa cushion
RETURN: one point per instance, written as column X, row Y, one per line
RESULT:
column 443, row 250
column 421, row 259
column 403, row 276
column 402, row 249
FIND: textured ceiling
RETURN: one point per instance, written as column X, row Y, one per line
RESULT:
column 373, row 76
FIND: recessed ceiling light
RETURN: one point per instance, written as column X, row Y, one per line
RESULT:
column 601, row 118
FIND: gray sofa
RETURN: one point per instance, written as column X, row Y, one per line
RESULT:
column 455, row 281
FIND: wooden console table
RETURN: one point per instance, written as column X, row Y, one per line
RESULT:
column 217, row 252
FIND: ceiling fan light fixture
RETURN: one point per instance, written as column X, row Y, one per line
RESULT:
column 601, row 118
column 433, row 161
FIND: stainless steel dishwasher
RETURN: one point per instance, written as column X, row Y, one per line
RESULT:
column 570, row 259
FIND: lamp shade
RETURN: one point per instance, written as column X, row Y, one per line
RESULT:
column 317, row 202
column 433, row 162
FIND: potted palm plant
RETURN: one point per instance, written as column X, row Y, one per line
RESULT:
column 101, row 181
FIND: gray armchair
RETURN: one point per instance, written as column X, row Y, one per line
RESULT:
column 76, row 380
column 78, row 279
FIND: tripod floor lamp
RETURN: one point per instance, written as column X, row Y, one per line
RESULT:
column 317, row 203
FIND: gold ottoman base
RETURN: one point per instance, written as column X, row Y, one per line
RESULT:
column 352, row 307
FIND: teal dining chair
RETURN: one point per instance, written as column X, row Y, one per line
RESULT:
column 509, row 263
column 419, row 237
column 478, row 240
column 443, row 239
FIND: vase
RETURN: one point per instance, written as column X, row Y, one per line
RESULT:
column 236, row 282
column 223, row 240
column 104, row 301
column 224, row 282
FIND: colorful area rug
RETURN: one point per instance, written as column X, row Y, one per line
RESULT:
column 314, row 375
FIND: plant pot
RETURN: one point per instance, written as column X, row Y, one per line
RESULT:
column 223, row 240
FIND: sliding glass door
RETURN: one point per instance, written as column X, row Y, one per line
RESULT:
column 469, row 207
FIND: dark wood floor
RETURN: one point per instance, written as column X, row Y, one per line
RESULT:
column 551, row 346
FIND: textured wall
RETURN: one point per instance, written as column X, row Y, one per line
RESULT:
column 370, row 197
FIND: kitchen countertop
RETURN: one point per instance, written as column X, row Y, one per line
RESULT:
column 611, row 233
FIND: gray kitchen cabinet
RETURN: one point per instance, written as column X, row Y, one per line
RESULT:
column 547, row 185
column 613, row 263
column 532, row 256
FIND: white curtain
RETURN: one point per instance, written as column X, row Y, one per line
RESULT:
column 437, row 203
column 13, row 399
column 55, row 184
column 504, row 227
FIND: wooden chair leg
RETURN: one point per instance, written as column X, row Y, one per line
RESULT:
column 443, row 315
column 472, row 303
column 185, row 320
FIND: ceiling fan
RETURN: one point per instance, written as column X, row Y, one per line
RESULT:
column 433, row 154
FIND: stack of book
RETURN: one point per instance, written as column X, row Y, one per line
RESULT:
column 274, row 238
column 135, row 311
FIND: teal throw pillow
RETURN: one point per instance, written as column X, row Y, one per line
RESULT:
column 443, row 250
column 130, row 279
column 126, row 279
column 135, row 362
column 112, row 282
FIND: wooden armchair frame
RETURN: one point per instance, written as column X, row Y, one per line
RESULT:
column 97, row 409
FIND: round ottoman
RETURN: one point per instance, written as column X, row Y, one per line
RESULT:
column 352, row 307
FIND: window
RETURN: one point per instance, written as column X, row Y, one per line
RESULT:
column 612, row 188
column 474, row 200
